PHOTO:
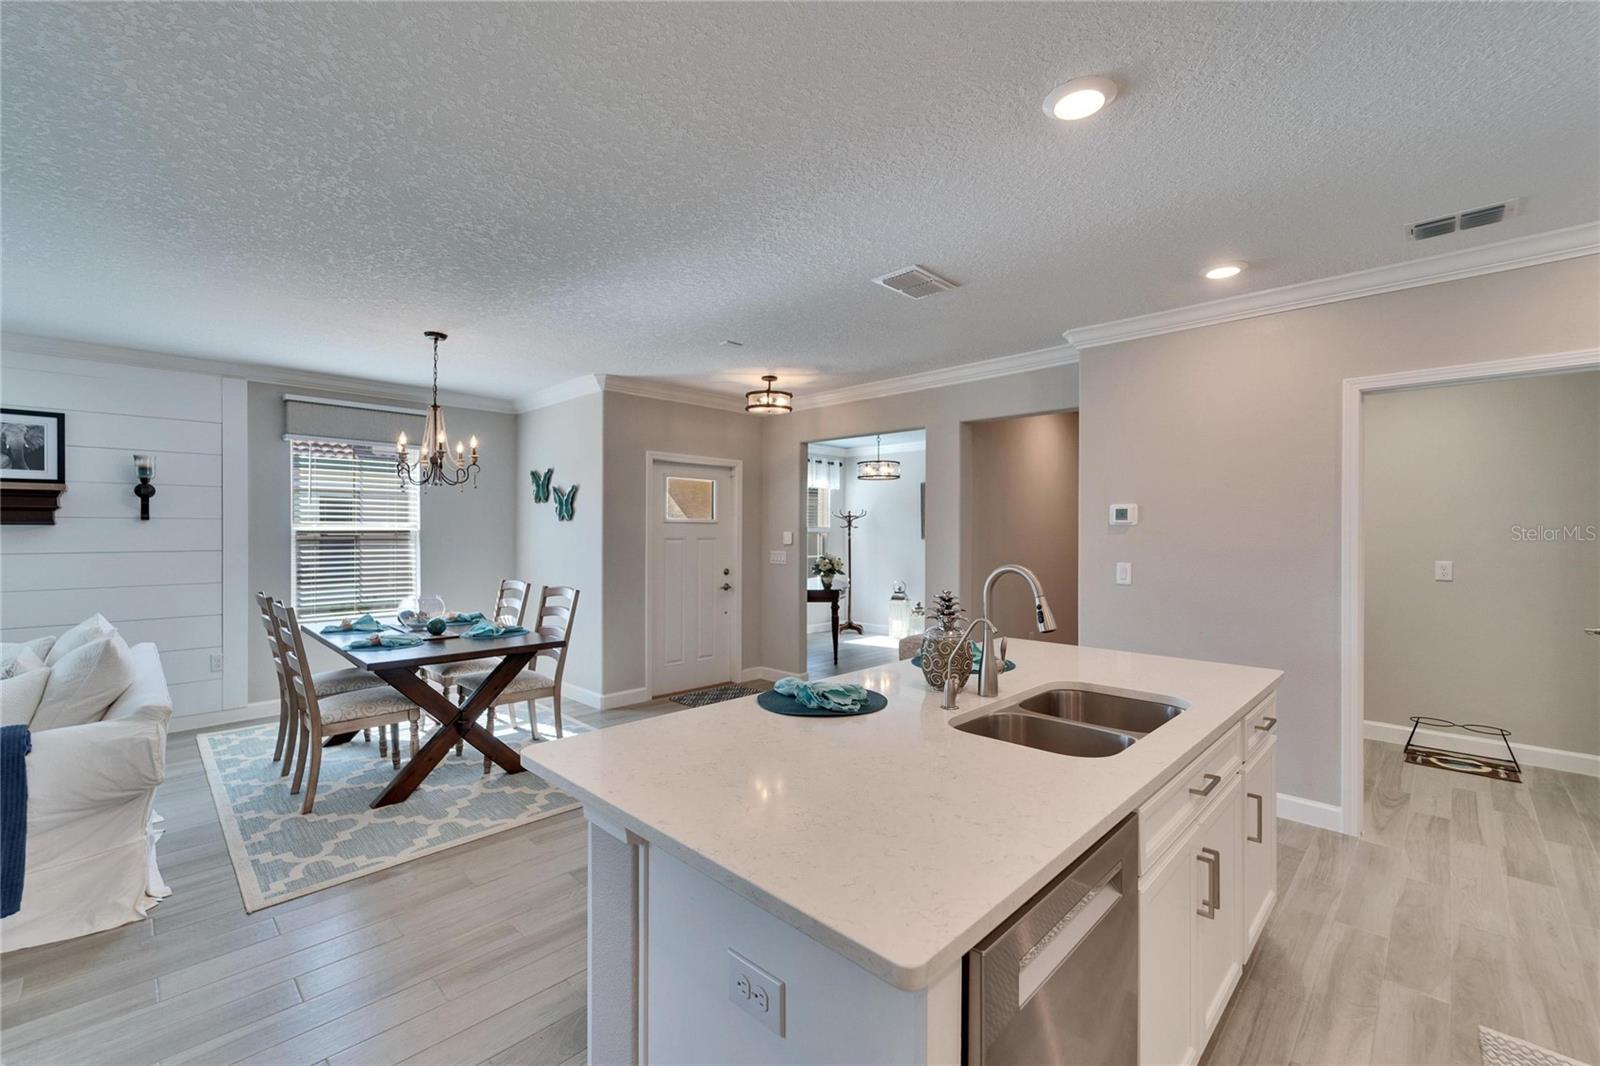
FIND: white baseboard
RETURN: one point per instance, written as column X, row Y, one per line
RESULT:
column 1573, row 762
column 1310, row 812
column 260, row 711
column 762, row 673
column 604, row 701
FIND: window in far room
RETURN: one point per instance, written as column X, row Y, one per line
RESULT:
column 817, row 512
column 356, row 530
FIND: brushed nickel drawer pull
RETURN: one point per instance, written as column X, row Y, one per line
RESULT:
column 1260, row 807
column 1213, row 860
column 1266, row 724
column 1212, row 781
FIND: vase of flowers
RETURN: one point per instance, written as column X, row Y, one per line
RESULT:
column 944, row 635
column 827, row 567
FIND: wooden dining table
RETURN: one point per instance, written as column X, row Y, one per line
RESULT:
column 398, row 668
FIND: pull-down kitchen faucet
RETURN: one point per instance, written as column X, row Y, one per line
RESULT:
column 989, row 670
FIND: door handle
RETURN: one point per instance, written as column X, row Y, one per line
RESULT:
column 1213, row 902
column 726, row 587
column 1260, row 808
column 1269, row 722
column 1212, row 781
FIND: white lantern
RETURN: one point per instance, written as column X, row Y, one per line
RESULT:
column 899, row 612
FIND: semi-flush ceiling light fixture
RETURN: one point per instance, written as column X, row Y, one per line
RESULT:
column 434, row 464
column 1080, row 98
column 1224, row 271
column 768, row 401
column 879, row 469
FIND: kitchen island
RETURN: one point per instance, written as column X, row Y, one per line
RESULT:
column 847, row 865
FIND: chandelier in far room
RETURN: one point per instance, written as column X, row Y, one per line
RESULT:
column 879, row 469
column 434, row 464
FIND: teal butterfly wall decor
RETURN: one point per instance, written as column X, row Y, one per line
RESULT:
column 565, row 498
column 541, row 485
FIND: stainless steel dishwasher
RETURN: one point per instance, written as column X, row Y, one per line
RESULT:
column 1059, row 981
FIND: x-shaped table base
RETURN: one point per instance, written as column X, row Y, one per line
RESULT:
column 456, row 723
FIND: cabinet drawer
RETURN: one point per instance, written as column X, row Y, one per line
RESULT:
column 1165, row 816
column 1259, row 724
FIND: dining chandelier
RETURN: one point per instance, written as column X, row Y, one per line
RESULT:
column 879, row 469
column 434, row 464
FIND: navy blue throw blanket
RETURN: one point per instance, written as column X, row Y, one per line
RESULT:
column 15, row 743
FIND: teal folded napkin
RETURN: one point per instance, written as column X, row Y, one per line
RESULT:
column 466, row 619
column 384, row 640
column 365, row 624
column 826, row 695
column 490, row 631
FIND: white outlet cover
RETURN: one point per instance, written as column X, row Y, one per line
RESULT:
column 1444, row 570
column 756, row 992
column 788, row 537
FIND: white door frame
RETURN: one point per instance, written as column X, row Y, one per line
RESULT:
column 1352, row 593
column 736, row 618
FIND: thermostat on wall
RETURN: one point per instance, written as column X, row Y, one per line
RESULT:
column 1124, row 514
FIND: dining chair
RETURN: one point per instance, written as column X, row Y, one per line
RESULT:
column 344, row 712
column 558, row 606
column 510, row 607
column 328, row 682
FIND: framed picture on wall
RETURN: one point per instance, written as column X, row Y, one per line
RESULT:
column 33, row 446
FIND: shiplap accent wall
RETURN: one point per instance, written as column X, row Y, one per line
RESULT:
column 160, row 581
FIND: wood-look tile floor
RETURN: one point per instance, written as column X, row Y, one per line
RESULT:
column 1466, row 902
column 474, row 954
column 1469, row 902
column 856, row 652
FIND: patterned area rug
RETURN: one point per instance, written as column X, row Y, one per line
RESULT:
column 1501, row 1050
column 701, row 697
column 279, row 854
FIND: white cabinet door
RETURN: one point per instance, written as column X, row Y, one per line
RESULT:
column 1216, row 905
column 1166, row 916
column 1259, row 834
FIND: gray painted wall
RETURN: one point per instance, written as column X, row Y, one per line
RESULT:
column 1023, row 507
column 1450, row 473
column 467, row 534
column 1228, row 438
column 569, row 438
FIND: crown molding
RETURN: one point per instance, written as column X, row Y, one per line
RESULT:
column 561, row 392
column 660, row 390
column 61, row 348
column 1549, row 247
column 965, row 374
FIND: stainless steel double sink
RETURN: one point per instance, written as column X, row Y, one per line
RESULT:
column 1074, row 721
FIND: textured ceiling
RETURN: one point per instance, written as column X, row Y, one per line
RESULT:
column 613, row 188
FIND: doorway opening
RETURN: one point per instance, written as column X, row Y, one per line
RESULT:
column 1471, row 578
column 872, row 528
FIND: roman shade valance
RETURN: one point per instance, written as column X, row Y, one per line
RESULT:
column 311, row 418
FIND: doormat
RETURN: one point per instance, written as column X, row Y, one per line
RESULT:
column 702, row 697
column 1498, row 1049
column 1462, row 763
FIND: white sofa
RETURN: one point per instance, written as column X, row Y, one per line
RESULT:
column 91, row 849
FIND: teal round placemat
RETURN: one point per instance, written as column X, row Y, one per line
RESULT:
column 977, row 661
column 778, row 703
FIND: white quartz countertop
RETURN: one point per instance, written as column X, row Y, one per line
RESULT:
column 892, row 838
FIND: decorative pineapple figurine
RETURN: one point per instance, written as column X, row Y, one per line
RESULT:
column 944, row 634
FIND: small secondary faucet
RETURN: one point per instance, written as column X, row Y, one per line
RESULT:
column 989, row 669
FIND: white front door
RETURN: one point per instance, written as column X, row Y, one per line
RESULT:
column 693, row 576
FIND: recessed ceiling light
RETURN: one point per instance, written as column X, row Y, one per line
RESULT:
column 1223, row 271
column 1080, row 98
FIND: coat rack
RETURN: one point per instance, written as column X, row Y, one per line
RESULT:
column 850, row 519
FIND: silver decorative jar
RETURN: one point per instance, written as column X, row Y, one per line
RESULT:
column 945, row 634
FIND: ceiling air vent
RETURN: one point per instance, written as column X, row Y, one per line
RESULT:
column 915, row 282
column 1478, row 216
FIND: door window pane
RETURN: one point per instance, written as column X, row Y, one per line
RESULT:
column 691, row 499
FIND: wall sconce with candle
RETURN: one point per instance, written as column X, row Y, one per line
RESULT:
column 145, row 467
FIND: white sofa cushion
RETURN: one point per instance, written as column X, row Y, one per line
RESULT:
column 21, row 662
column 84, row 683
column 20, row 695
column 9, row 653
column 91, row 629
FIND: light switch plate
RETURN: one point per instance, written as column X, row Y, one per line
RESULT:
column 788, row 537
column 216, row 663
column 777, row 558
column 1444, row 570
column 755, row 991
column 1124, row 573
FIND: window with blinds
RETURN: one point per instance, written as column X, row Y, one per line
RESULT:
column 355, row 530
